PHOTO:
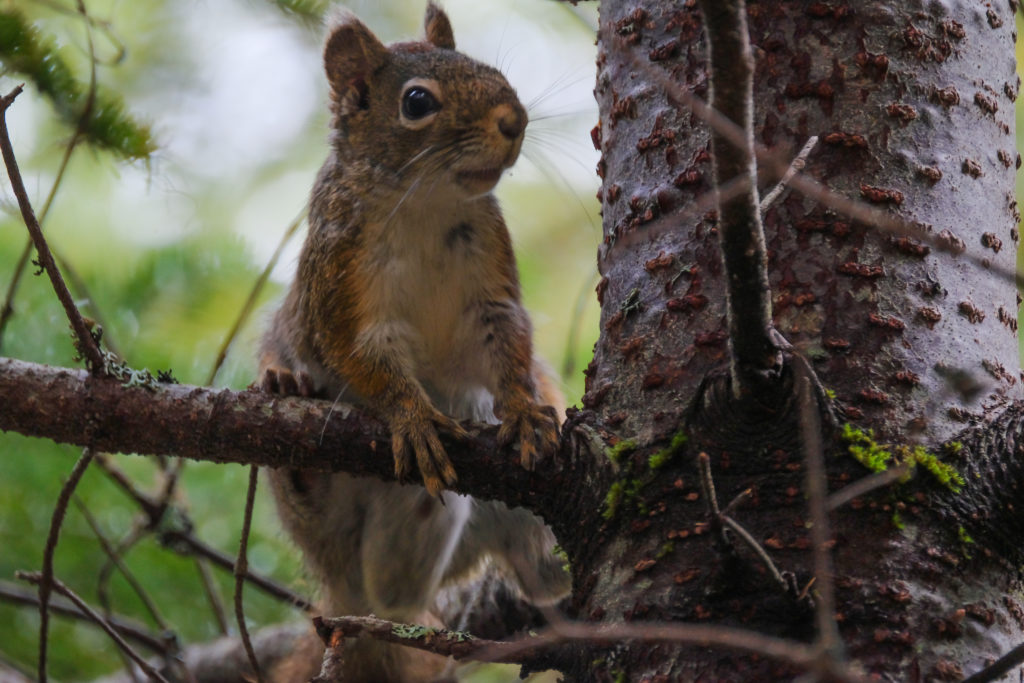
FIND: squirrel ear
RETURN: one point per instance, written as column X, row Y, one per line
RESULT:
column 351, row 55
column 439, row 29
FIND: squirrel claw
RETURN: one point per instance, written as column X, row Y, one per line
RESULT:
column 537, row 429
column 284, row 382
column 417, row 438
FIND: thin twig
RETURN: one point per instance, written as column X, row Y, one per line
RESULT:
column 761, row 553
column 720, row 519
column 707, row 485
column 88, row 347
column 740, row 498
column 37, row 578
column 224, row 561
column 458, row 645
column 7, row 311
column 19, row 269
column 798, row 165
column 82, row 293
column 212, row 594
column 114, row 554
column 185, row 543
column 47, row 581
column 866, row 485
column 130, row 629
column 254, row 293
column 103, row 584
column 817, row 491
column 1000, row 667
column 241, row 569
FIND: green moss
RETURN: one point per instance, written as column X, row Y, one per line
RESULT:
column 665, row 455
column 945, row 474
column 665, row 550
column 897, row 521
column 879, row 457
column 865, row 450
column 559, row 552
column 612, row 499
column 964, row 537
column 411, row 631
column 952, row 447
column 830, row 394
column 616, row 452
column 620, row 676
column 621, row 493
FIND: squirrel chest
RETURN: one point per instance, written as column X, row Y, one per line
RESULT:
column 428, row 274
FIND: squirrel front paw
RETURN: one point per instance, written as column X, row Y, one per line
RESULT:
column 414, row 434
column 535, row 426
column 282, row 381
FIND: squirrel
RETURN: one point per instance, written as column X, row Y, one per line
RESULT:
column 407, row 302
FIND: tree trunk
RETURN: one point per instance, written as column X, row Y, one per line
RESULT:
column 913, row 105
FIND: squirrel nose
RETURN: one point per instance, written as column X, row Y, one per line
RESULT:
column 511, row 120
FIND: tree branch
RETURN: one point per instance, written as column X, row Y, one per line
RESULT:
column 741, row 235
column 245, row 427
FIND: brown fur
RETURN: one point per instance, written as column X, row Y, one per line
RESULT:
column 407, row 301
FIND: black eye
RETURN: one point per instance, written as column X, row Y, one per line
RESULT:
column 417, row 102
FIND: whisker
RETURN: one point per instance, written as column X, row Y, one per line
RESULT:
column 567, row 148
column 417, row 157
column 549, row 171
column 330, row 412
column 560, row 83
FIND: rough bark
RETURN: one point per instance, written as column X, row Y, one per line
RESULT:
column 913, row 104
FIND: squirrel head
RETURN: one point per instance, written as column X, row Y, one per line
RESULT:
column 416, row 110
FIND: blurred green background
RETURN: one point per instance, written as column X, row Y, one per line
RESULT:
column 230, row 99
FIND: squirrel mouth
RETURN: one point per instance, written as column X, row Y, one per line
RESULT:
column 480, row 176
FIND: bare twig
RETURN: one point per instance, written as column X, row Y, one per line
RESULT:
column 185, row 543
column 740, row 498
column 46, row 575
column 798, row 165
column 88, row 347
column 761, row 553
column 331, row 669
column 719, row 519
column 817, row 491
column 865, row 485
column 254, row 293
column 268, row 586
column 37, row 578
column 114, row 554
column 19, row 269
column 213, row 595
column 741, row 235
column 707, row 485
column 1000, row 667
column 461, row 646
column 241, row 569
column 130, row 629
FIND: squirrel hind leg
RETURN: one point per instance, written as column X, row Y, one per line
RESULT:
column 520, row 543
column 409, row 538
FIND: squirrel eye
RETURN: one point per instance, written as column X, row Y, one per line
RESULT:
column 418, row 102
